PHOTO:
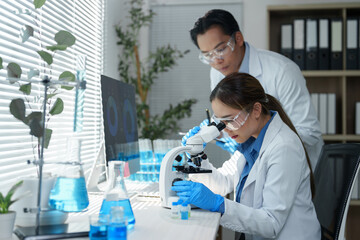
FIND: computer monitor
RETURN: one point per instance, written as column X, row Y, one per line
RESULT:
column 120, row 123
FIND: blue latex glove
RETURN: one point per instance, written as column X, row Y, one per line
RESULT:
column 230, row 144
column 197, row 194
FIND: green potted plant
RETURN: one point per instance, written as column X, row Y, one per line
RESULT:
column 7, row 217
column 142, row 74
column 23, row 108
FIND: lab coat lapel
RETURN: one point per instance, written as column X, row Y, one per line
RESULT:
column 270, row 134
column 255, row 68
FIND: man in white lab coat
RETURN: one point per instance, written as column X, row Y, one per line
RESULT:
column 222, row 46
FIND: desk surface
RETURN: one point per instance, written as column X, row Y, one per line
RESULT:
column 152, row 220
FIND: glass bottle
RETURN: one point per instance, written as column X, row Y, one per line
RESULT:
column 175, row 210
column 69, row 193
column 116, row 194
column 117, row 225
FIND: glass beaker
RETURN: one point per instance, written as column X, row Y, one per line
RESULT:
column 116, row 194
column 69, row 193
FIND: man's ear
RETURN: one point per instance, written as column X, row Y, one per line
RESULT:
column 239, row 39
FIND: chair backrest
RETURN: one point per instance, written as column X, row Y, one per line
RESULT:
column 334, row 176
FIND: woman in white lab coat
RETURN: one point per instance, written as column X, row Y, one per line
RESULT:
column 270, row 173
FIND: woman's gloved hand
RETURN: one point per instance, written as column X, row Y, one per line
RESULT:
column 228, row 144
column 198, row 194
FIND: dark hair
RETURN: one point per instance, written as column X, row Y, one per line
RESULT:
column 222, row 18
column 242, row 91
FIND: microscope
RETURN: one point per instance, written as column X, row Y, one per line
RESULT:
column 195, row 147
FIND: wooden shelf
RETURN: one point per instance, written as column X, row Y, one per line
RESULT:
column 341, row 137
column 332, row 73
column 355, row 202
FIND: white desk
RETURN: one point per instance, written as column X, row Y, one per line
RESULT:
column 154, row 221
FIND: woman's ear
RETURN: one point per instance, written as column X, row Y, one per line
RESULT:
column 257, row 109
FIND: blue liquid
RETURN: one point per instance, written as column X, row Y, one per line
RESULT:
column 117, row 232
column 128, row 212
column 184, row 215
column 69, row 195
column 98, row 232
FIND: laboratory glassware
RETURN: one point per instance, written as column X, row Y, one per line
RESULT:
column 116, row 194
column 98, row 227
column 69, row 193
column 117, row 224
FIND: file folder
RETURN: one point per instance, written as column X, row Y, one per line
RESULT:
column 357, row 118
column 286, row 48
column 352, row 35
column 315, row 101
column 299, row 43
column 323, row 115
column 331, row 104
column 336, row 60
column 311, row 61
column 324, row 44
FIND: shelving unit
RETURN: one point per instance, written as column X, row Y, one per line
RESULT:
column 344, row 83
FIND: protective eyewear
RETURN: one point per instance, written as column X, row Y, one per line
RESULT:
column 219, row 53
column 235, row 123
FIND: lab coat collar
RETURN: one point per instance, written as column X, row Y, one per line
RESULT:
column 271, row 132
column 255, row 68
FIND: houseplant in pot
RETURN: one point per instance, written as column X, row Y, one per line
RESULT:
column 7, row 218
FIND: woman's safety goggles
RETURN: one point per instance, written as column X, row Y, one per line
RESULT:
column 220, row 52
column 235, row 123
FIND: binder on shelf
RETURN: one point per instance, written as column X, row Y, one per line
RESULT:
column 355, row 191
column 311, row 60
column 286, row 47
column 352, row 55
column 315, row 101
column 299, row 43
column 324, row 44
column 331, row 110
column 323, row 112
column 336, row 59
column 357, row 118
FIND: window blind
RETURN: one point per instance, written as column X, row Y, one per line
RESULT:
column 84, row 19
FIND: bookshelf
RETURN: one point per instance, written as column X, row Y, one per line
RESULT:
column 344, row 83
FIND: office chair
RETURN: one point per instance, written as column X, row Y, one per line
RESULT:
column 337, row 168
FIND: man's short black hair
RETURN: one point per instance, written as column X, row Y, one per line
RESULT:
column 222, row 18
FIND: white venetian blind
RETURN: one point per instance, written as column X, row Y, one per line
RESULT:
column 84, row 19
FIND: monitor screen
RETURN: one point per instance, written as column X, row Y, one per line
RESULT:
column 120, row 123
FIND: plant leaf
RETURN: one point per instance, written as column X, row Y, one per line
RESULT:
column 58, row 107
column 7, row 200
column 39, row 3
column 34, row 115
column 17, row 109
column 48, row 133
column 56, row 47
column 67, row 77
column 35, row 128
column 1, row 61
column 64, row 38
column 46, row 57
column 25, row 32
column 26, row 88
column 50, row 95
column 33, row 72
column 13, row 71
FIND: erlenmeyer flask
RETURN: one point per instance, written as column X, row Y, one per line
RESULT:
column 69, row 193
column 116, row 194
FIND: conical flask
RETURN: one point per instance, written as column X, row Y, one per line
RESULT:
column 116, row 194
column 69, row 193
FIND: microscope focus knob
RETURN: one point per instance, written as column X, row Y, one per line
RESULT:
column 178, row 158
column 176, row 180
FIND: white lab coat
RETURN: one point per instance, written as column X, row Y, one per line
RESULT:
column 276, row 199
column 283, row 79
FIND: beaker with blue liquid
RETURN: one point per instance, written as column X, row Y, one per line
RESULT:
column 69, row 193
column 116, row 194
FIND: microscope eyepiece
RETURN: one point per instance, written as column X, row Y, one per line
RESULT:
column 221, row 126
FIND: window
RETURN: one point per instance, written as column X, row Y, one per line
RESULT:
column 84, row 20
